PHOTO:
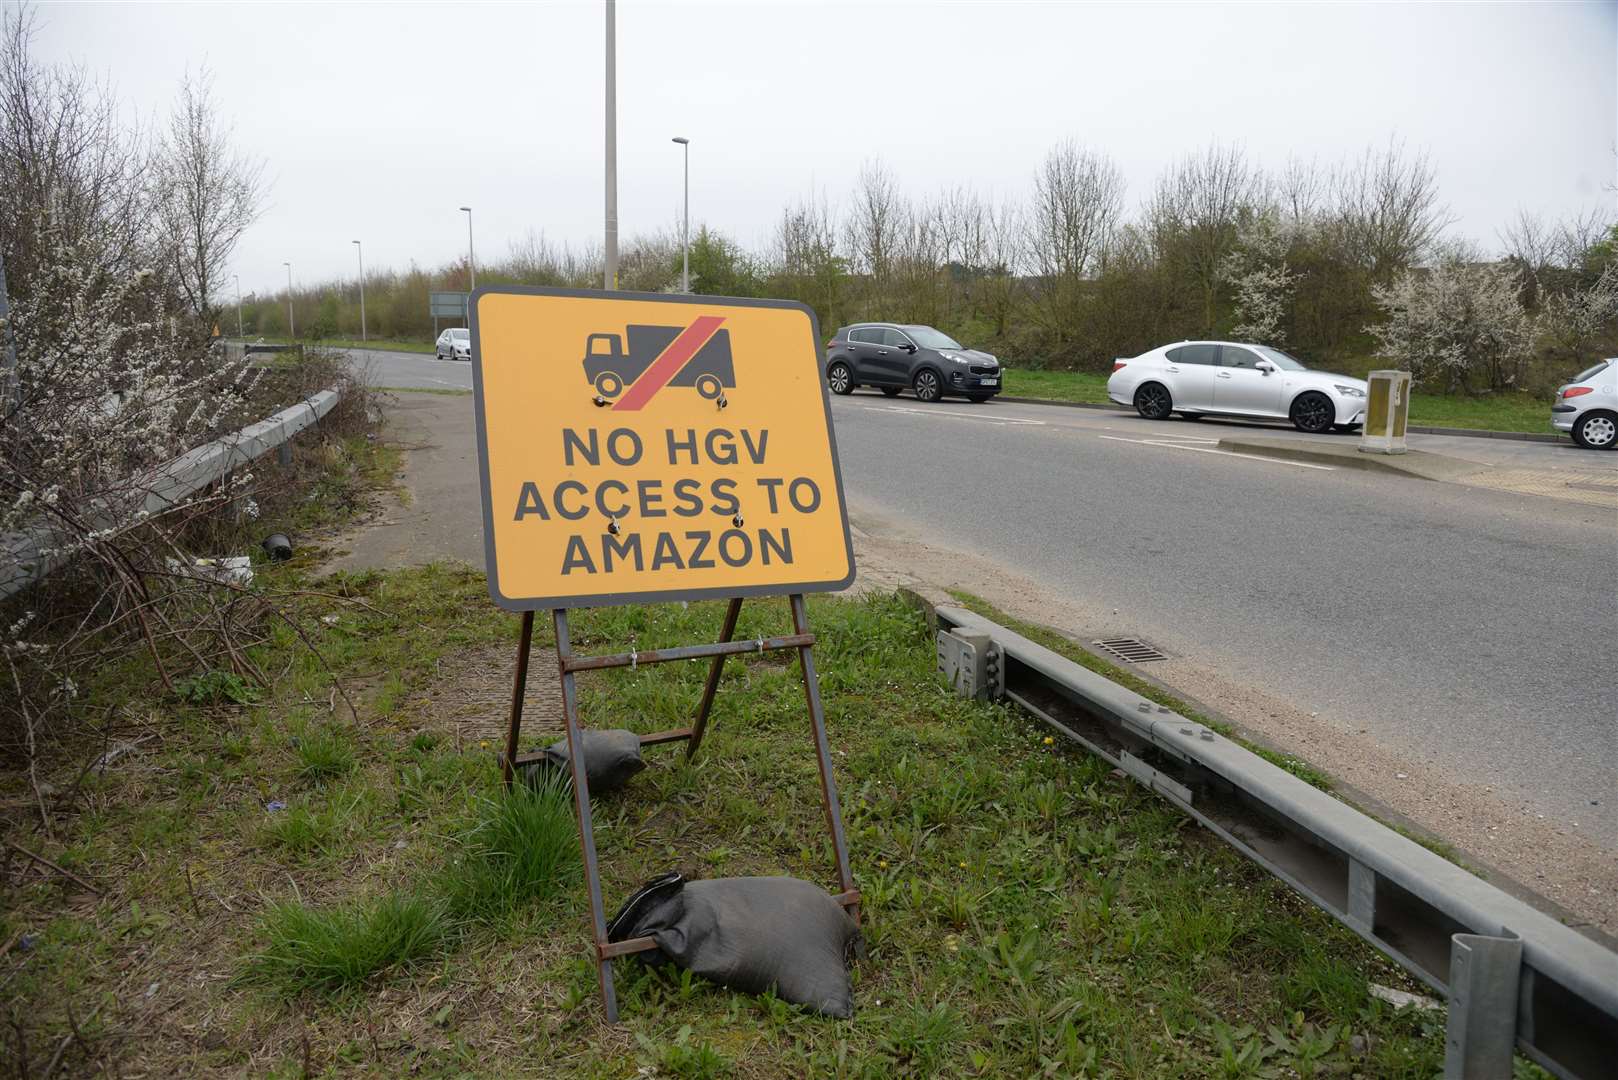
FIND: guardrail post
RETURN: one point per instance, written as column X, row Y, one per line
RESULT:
column 1361, row 897
column 1481, row 1034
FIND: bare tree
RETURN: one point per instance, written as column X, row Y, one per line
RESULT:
column 69, row 169
column 1301, row 189
column 207, row 194
column 873, row 225
column 1195, row 214
column 1078, row 201
column 805, row 259
column 1387, row 209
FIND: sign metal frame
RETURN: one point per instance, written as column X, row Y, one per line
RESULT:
column 569, row 664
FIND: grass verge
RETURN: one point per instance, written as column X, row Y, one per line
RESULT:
column 1026, row 912
column 353, row 343
column 1496, row 412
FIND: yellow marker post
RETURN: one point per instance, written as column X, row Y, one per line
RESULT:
column 638, row 447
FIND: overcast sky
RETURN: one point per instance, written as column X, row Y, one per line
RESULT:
column 378, row 120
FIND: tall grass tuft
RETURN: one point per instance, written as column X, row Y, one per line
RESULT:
column 523, row 847
column 338, row 948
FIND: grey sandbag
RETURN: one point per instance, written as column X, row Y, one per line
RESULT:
column 749, row 934
column 611, row 757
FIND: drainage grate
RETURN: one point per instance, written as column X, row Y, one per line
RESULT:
column 1131, row 650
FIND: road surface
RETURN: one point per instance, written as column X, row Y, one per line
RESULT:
column 1472, row 629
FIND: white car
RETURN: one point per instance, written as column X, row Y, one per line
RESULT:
column 1223, row 378
column 1587, row 407
column 454, row 344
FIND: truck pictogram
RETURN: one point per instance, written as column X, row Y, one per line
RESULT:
column 610, row 369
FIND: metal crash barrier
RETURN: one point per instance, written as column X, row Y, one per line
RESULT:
column 1514, row 976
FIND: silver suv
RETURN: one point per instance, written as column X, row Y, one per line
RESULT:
column 1587, row 407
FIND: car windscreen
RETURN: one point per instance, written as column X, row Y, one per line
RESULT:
column 1581, row 376
column 1280, row 359
column 460, row 335
column 928, row 338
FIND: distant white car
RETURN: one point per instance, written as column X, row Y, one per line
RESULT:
column 1223, row 378
column 1587, row 407
column 454, row 344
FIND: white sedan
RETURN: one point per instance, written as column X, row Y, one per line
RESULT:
column 1223, row 378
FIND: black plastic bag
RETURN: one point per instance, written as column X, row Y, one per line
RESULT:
column 611, row 758
column 748, row 934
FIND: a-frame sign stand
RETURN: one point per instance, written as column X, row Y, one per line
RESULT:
column 568, row 663
column 629, row 482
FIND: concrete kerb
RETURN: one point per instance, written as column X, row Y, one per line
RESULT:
column 1417, row 463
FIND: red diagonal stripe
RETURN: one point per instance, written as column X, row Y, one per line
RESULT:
column 670, row 361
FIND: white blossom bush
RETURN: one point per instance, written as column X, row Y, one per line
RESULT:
column 108, row 384
column 1459, row 324
column 1261, row 282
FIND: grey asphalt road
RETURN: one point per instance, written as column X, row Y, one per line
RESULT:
column 1472, row 628
column 413, row 371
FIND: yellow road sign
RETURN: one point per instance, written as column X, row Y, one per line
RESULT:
column 639, row 447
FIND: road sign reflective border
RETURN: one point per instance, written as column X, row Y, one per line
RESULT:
column 638, row 447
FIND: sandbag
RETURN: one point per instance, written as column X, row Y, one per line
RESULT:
column 611, row 758
column 749, row 934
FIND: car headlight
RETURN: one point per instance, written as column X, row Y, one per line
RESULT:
column 954, row 357
column 1348, row 391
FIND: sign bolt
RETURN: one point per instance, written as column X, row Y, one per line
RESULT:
column 722, row 401
column 600, row 402
column 612, row 526
column 737, row 520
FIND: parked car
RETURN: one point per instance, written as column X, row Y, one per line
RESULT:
column 454, row 344
column 894, row 356
column 1587, row 407
column 1224, row 378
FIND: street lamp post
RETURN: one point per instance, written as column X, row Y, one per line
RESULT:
column 359, row 250
column 685, row 226
column 610, row 267
column 471, row 265
column 239, row 331
column 292, row 326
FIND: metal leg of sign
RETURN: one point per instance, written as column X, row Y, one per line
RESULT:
column 581, row 805
column 725, row 634
column 850, row 897
column 520, row 686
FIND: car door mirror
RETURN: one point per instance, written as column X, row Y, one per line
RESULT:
column 1264, row 367
column 907, row 347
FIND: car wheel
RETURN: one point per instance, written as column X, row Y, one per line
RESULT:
column 1154, row 402
column 890, row 391
column 840, row 379
column 1596, row 431
column 438, row 356
column 927, row 388
column 1313, row 413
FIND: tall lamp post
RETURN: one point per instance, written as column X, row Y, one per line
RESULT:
column 292, row 327
column 239, row 331
column 359, row 250
column 685, row 226
column 610, row 264
column 470, row 263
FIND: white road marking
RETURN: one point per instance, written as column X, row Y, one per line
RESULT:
column 1221, row 453
column 999, row 420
